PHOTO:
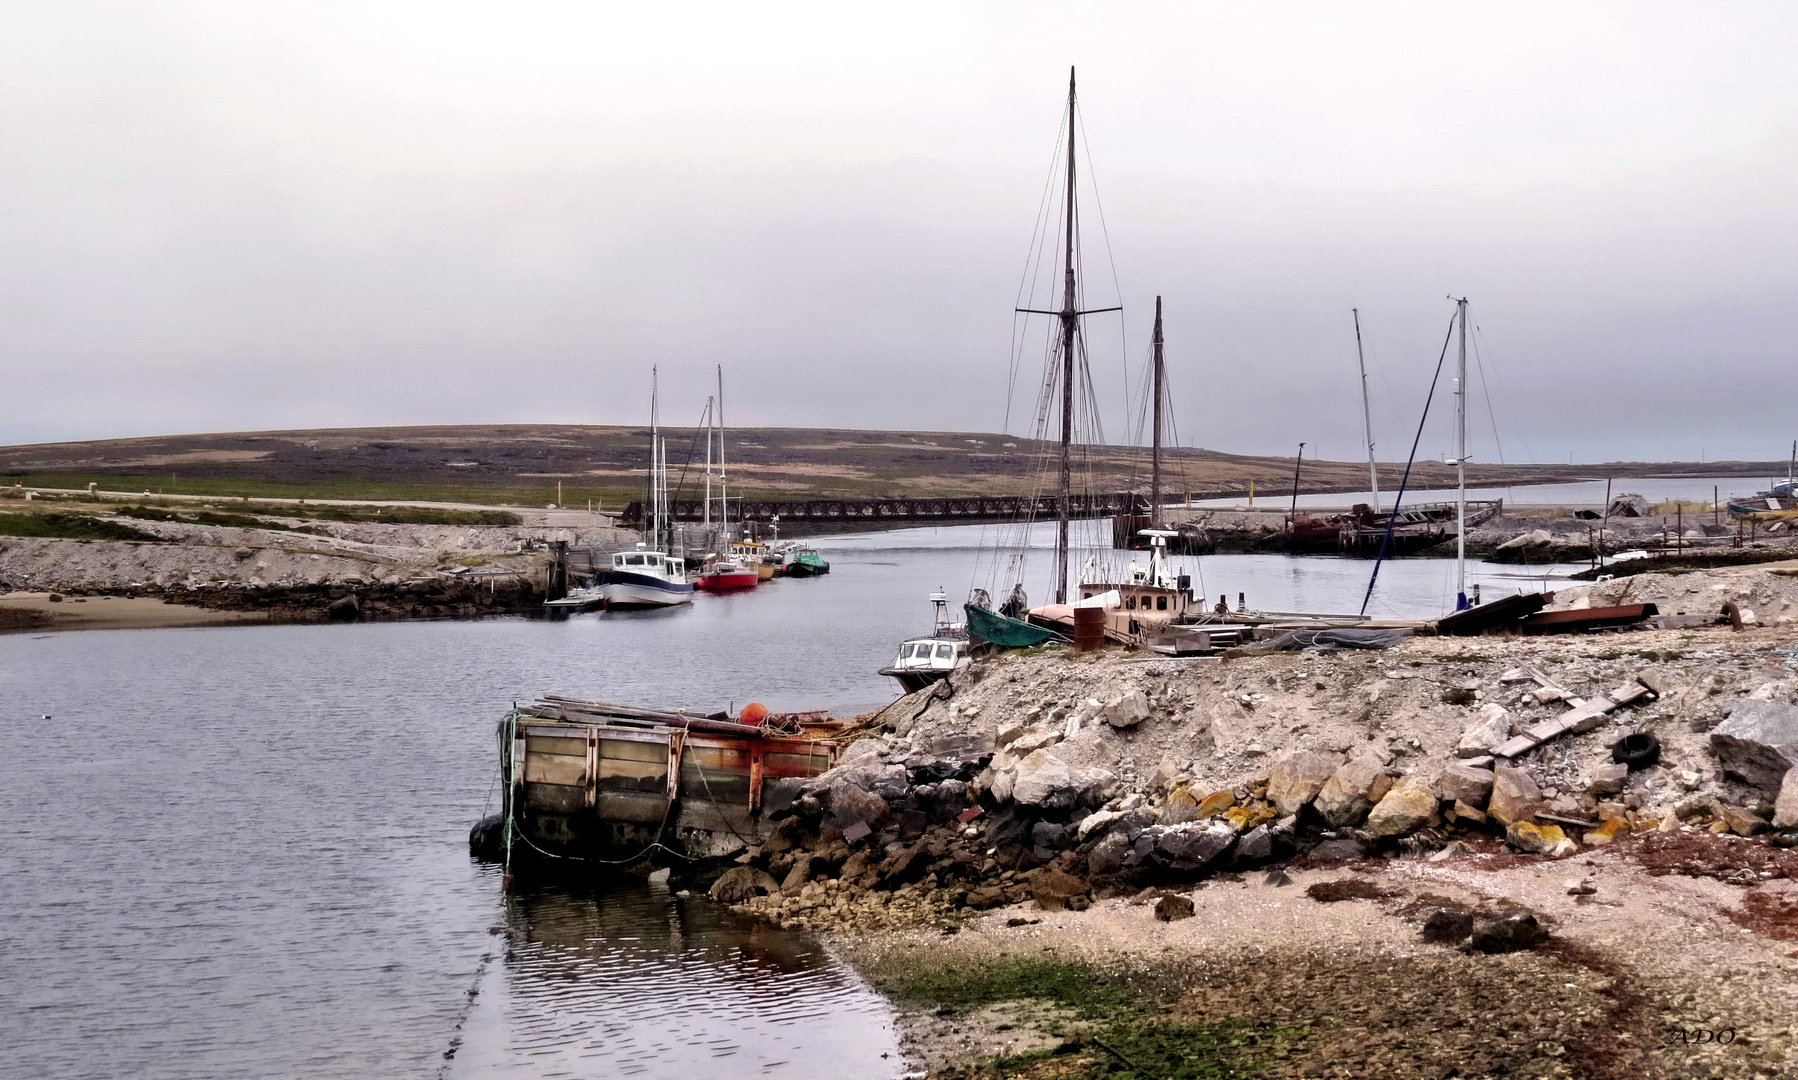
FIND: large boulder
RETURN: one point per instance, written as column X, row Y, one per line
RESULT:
column 1785, row 809
column 1128, row 709
column 1046, row 781
column 1515, row 796
column 1108, row 855
column 1492, row 727
column 1409, row 806
column 1298, row 777
column 1182, row 847
column 1533, row 839
column 1758, row 744
column 1346, row 796
column 850, row 804
column 1464, row 783
column 739, row 883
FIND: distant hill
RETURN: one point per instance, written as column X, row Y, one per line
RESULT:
column 520, row 464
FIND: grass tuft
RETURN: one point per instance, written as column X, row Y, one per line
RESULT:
column 70, row 527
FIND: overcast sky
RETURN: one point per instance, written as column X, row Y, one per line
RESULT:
column 238, row 215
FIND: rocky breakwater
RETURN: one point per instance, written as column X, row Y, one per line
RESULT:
column 427, row 596
column 1059, row 779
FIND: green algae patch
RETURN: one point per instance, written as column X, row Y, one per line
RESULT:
column 1109, row 1026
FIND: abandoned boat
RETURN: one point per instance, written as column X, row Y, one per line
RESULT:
column 618, row 784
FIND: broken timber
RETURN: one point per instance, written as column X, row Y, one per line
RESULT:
column 1583, row 716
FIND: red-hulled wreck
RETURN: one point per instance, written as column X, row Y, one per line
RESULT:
column 598, row 782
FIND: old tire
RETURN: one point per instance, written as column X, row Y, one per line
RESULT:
column 487, row 840
column 1638, row 751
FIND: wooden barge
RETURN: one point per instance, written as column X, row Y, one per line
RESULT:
column 602, row 782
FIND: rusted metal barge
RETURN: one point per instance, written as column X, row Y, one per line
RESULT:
column 599, row 782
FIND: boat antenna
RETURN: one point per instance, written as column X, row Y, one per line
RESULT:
column 1405, row 481
column 1373, row 471
column 1155, row 455
column 655, row 455
column 1069, row 344
column 1461, row 463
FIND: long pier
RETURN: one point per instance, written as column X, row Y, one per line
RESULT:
column 966, row 509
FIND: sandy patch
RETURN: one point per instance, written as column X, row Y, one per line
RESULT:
column 35, row 611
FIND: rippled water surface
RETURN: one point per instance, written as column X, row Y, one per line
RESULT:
column 241, row 852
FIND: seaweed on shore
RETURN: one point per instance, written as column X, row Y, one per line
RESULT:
column 1117, row 1030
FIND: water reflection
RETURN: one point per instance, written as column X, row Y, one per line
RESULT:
column 636, row 981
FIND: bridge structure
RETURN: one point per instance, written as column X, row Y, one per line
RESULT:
column 971, row 509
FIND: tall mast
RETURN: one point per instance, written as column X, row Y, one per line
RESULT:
column 1461, row 463
column 1373, row 472
column 655, row 462
column 1070, row 343
column 1070, row 330
column 1155, row 459
column 723, row 481
column 711, row 420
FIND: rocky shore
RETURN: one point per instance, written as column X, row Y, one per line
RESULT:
column 289, row 568
column 1513, row 916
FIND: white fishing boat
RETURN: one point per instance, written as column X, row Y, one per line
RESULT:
column 649, row 577
column 643, row 579
column 925, row 660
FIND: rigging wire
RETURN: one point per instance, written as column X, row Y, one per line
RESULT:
column 1398, row 500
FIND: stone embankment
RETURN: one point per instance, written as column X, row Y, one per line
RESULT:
column 297, row 568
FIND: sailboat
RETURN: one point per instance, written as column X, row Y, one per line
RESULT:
column 1008, row 627
column 1142, row 600
column 1363, row 532
column 649, row 577
column 726, row 574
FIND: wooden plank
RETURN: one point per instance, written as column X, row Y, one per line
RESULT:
column 556, row 769
column 1515, row 745
column 566, row 747
column 611, row 749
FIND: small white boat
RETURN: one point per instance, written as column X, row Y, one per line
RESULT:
column 924, row 660
column 579, row 598
column 643, row 579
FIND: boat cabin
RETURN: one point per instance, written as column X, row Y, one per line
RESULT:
column 649, row 562
column 931, row 654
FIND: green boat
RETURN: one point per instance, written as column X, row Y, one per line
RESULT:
column 1007, row 633
column 806, row 562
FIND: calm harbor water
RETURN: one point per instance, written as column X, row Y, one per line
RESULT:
column 240, row 852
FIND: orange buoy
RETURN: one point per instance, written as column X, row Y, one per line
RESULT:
column 753, row 714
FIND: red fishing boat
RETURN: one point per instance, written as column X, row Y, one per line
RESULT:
column 727, row 577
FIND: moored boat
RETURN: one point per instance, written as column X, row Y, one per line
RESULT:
column 643, row 579
column 925, row 660
column 806, row 562
column 727, row 576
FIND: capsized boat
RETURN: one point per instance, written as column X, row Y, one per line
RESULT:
column 644, row 579
column 925, row 660
column 806, row 562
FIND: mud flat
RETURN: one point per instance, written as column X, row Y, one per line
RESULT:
column 1311, row 864
column 38, row 611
